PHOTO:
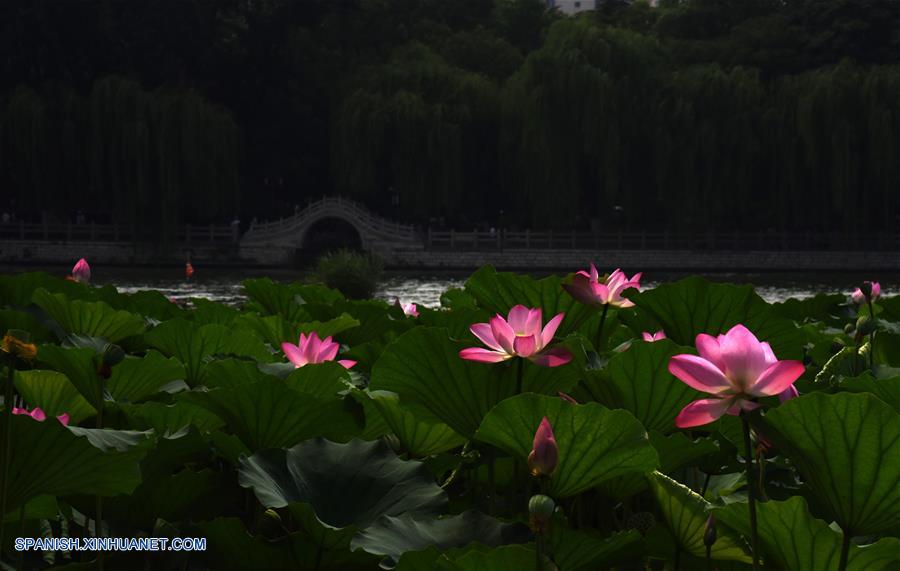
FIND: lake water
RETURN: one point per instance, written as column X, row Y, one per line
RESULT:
column 225, row 284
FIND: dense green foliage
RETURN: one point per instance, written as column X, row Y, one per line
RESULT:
column 354, row 274
column 738, row 114
column 188, row 422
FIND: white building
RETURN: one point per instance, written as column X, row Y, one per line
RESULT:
column 570, row 7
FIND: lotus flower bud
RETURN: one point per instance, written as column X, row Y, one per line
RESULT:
column 540, row 511
column 866, row 289
column 81, row 272
column 544, row 452
column 709, row 536
column 541, row 505
column 865, row 325
column 112, row 354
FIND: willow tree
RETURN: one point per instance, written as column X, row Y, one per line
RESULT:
column 410, row 125
column 148, row 160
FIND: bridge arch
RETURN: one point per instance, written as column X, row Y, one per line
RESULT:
column 348, row 221
column 329, row 232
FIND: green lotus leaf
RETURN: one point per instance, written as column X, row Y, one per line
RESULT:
column 54, row 394
column 586, row 550
column 49, row 458
column 136, row 379
column 685, row 513
column 193, row 345
column 150, row 303
column 675, row 451
column 346, row 484
column 638, row 380
column 392, row 536
column 287, row 300
column 323, row 379
column 40, row 507
column 416, row 435
column 847, row 449
column 95, row 319
column 595, row 444
column 80, row 366
column 275, row 329
column 208, row 312
column 25, row 321
column 498, row 292
column 456, row 322
column 830, row 308
column 813, row 545
column 887, row 390
column 693, row 305
column 268, row 414
column 17, row 290
column 423, row 367
column 167, row 419
column 502, row 558
column 232, row 547
column 229, row 373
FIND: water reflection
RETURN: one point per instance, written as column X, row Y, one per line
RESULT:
column 224, row 285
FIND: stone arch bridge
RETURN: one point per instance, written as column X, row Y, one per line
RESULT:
column 281, row 241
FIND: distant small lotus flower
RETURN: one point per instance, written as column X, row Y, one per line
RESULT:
column 519, row 336
column 544, row 451
column 869, row 292
column 311, row 351
column 188, row 270
column 591, row 289
column 651, row 337
column 409, row 309
column 735, row 368
column 40, row 416
column 81, row 272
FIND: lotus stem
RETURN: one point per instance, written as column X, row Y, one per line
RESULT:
column 20, row 564
column 845, row 551
column 871, row 337
column 751, row 493
column 520, row 373
column 600, row 329
column 7, row 444
column 98, row 522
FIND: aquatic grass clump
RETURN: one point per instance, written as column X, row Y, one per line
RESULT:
column 354, row 274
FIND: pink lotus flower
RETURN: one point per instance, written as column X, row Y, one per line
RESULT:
column 520, row 336
column 859, row 296
column 409, row 309
column 735, row 368
column 81, row 272
column 39, row 415
column 589, row 289
column 651, row 337
column 789, row 393
column 311, row 351
column 544, row 451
